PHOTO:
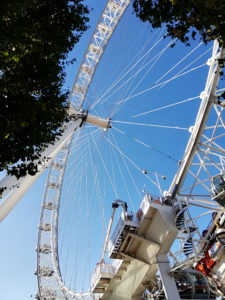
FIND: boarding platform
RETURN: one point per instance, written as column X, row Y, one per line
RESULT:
column 139, row 240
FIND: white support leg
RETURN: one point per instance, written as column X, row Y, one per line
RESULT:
column 16, row 188
column 169, row 284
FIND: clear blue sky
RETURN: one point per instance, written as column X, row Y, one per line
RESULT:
column 19, row 230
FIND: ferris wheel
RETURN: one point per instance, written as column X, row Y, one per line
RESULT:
column 127, row 150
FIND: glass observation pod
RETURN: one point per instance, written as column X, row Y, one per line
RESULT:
column 193, row 285
column 218, row 189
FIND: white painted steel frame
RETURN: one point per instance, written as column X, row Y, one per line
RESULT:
column 52, row 285
column 204, row 158
column 208, row 97
column 102, row 34
column 49, row 286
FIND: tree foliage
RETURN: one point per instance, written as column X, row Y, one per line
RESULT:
column 185, row 19
column 36, row 37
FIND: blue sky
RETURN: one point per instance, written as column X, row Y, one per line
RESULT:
column 19, row 230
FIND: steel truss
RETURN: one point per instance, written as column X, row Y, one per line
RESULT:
column 48, row 272
column 101, row 36
column 204, row 158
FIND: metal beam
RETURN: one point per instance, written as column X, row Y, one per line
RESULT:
column 143, row 239
column 126, row 255
column 205, row 107
column 168, row 281
column 111, row 15
column 16, row 188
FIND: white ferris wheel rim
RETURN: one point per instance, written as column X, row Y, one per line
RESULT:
column 65, row 290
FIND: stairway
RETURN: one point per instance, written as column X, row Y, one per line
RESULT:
column 182, row 225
